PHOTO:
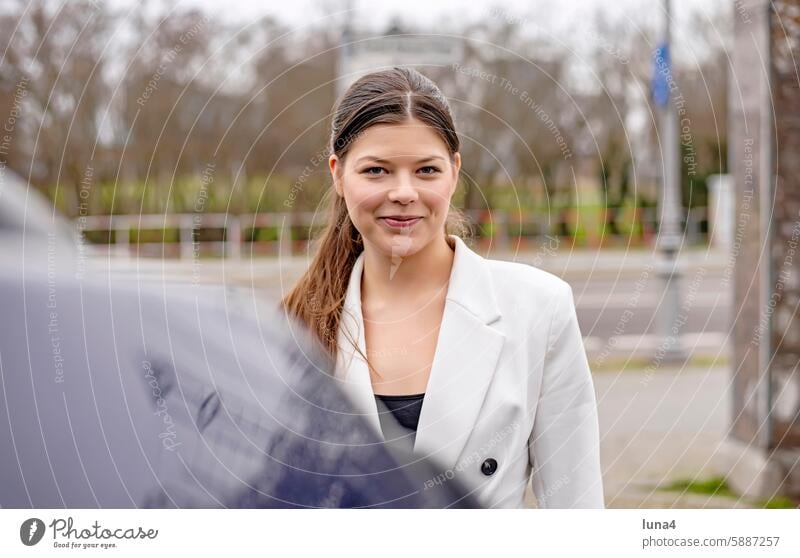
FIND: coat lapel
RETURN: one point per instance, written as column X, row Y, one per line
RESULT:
column 351, row 368
column 464, row 363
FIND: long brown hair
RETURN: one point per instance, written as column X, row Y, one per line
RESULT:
column 385, row 97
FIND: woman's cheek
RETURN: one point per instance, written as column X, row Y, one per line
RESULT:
column 359, row 202
column 439, row 202
column 362, row 211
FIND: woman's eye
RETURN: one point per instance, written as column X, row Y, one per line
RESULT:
column 374, row 171
column 429, row 170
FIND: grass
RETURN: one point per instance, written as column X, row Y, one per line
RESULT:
column 641, row 364
column 778, row 503
column 715, row 486
column 718, row 486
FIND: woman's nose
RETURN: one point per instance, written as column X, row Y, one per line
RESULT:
column 403, row 190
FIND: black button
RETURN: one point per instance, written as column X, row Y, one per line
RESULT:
column 489, row 466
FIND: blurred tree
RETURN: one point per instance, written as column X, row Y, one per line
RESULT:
column 153, row 102
column 55, row 56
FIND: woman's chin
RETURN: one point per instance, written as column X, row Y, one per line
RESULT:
column 396, row 245
column 399, row 246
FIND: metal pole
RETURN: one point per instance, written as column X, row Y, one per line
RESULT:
column 345, row 52
column 670, row 234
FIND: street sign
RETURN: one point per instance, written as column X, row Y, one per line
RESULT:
column 661, row 75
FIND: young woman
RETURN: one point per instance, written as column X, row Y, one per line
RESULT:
column 481, row 360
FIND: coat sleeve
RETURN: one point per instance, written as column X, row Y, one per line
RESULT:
column 564, row 443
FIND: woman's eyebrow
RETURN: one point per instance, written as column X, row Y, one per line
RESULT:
column 386, row 161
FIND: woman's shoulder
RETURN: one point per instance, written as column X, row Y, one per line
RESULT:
column 521, row 275
column 520, row 282
column 531, row 297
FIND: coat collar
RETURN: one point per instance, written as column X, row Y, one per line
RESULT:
column 466, row 356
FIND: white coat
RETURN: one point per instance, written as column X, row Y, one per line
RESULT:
column 510, row 393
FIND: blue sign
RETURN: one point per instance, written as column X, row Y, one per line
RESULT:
column 662, row 75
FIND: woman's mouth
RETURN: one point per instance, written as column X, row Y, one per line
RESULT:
column 400, row 222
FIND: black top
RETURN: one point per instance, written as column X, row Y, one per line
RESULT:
column 405, row 408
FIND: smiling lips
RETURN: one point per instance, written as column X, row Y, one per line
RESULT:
column 400, row 221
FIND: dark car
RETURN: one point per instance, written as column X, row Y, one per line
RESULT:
column 115, row 395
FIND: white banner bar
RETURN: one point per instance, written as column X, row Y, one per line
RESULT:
column 400, row 533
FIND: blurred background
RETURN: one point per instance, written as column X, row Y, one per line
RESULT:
column 632, row 149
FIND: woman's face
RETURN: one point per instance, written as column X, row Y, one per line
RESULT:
column 397, row 181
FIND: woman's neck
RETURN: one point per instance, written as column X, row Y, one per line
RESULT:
column 405, row 278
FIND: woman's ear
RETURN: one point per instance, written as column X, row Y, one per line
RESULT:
column 456, row 170
column 335, row 166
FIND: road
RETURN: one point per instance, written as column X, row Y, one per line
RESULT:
column 617, row 294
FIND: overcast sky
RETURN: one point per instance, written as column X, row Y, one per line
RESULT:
column 560, row 14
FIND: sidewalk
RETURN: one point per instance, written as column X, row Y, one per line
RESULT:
column 660, row 427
